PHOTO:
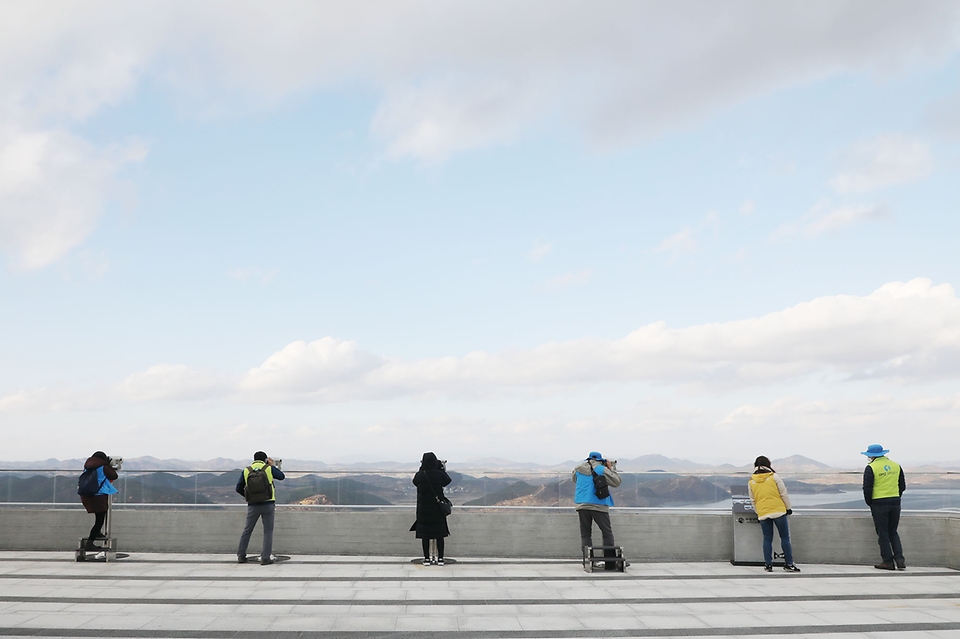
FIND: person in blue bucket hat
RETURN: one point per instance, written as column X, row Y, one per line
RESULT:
column 592, row 507
column 883, row 485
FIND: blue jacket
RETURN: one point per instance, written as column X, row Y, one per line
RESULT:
column 585, row 493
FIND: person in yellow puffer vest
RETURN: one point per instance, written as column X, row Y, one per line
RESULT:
column 883, row 485
column 772, row 505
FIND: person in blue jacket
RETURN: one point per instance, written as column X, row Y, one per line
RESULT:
column 98, row 504
column 591, row 508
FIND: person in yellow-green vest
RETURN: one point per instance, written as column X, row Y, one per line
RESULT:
column 772, row 505
column 256, row 486
column 883, row 484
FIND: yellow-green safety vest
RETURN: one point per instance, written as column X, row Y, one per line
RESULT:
column 886, row 478
column 257, row 465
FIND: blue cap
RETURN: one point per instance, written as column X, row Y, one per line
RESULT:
column 595, row 455
column 873, row 450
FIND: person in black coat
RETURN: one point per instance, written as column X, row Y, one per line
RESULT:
column 431, row 523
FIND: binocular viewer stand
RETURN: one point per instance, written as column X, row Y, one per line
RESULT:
column 607, row 557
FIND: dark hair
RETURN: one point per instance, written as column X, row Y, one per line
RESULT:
column 762, row 461
column 101, row 455
column 260, row 456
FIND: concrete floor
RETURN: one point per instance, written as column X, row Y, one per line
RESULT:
column 171, row 595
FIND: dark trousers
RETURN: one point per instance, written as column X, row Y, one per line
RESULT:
column 97, row 531
column 886, row 518
column 587, row 517
column 254, row 512
column 426, row 548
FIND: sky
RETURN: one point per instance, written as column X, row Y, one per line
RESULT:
column 361, row 231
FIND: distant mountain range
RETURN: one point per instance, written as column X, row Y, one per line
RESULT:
column 644, row 463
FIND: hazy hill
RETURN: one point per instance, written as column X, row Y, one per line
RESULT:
column 659, row 462
column 491, row 465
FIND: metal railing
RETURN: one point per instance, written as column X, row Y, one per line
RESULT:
column 370, row 489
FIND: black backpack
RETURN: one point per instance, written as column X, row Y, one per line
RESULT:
column 600, row 488
column 258, row 487
column 89, row 483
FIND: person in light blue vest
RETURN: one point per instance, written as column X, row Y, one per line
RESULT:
column 883, row 485
column 592, row 508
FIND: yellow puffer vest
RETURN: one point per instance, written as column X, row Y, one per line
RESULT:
column 766, row 495
column 886, row 478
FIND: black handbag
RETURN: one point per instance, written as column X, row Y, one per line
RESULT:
column 446, row 506
column 600, row 488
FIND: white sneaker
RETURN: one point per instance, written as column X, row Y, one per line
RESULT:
column 426, row 561
column 440, row 562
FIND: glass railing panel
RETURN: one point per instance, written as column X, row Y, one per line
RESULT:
column 475, row 488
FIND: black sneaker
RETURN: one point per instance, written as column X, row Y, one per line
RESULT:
column 768, row 568
column 885, row 567
column 791, row 568
column 901, row 565
column 241, row 560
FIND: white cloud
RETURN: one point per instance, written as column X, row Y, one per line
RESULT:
column 539, row 251
column 824, row 219
column 679, row 244
column 53, row 186
column 684, row 242
column 883, row 161
column 449, row 77
column 173, row 382
column 328, row 368
column 892, row 332
column 463, row 75
column 846, row 426
column 903, row 331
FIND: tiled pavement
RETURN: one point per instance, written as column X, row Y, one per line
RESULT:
column 168, row 595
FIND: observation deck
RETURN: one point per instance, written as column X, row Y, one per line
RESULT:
column 157, row 595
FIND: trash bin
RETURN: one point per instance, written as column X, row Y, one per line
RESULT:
column 747, row 536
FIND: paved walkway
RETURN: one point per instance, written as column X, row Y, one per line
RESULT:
column 168, row 595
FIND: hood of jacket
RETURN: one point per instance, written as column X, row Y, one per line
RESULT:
column 761, row 475
column 585, row 467
column 94, row 462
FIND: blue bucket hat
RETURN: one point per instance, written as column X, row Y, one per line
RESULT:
column 595, row 455
column 875, row 450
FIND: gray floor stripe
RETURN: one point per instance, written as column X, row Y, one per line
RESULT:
column 486, row 634
column 222, row 601
column 577, row 577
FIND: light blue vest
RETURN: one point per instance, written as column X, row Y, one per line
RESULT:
column 585, row 493
column 106, row 488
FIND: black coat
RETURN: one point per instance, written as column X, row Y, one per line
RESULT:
column 431, row 523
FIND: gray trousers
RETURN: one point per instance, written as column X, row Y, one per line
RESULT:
column 255, row 512
column 587, row 517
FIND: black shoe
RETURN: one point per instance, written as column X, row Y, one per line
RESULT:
column 901, row 565
column 242, row 559
column 768, row 568
column 791, row 568
column 267, row 562
column 885, row 567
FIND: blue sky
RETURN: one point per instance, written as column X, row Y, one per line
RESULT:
column 706, row 231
